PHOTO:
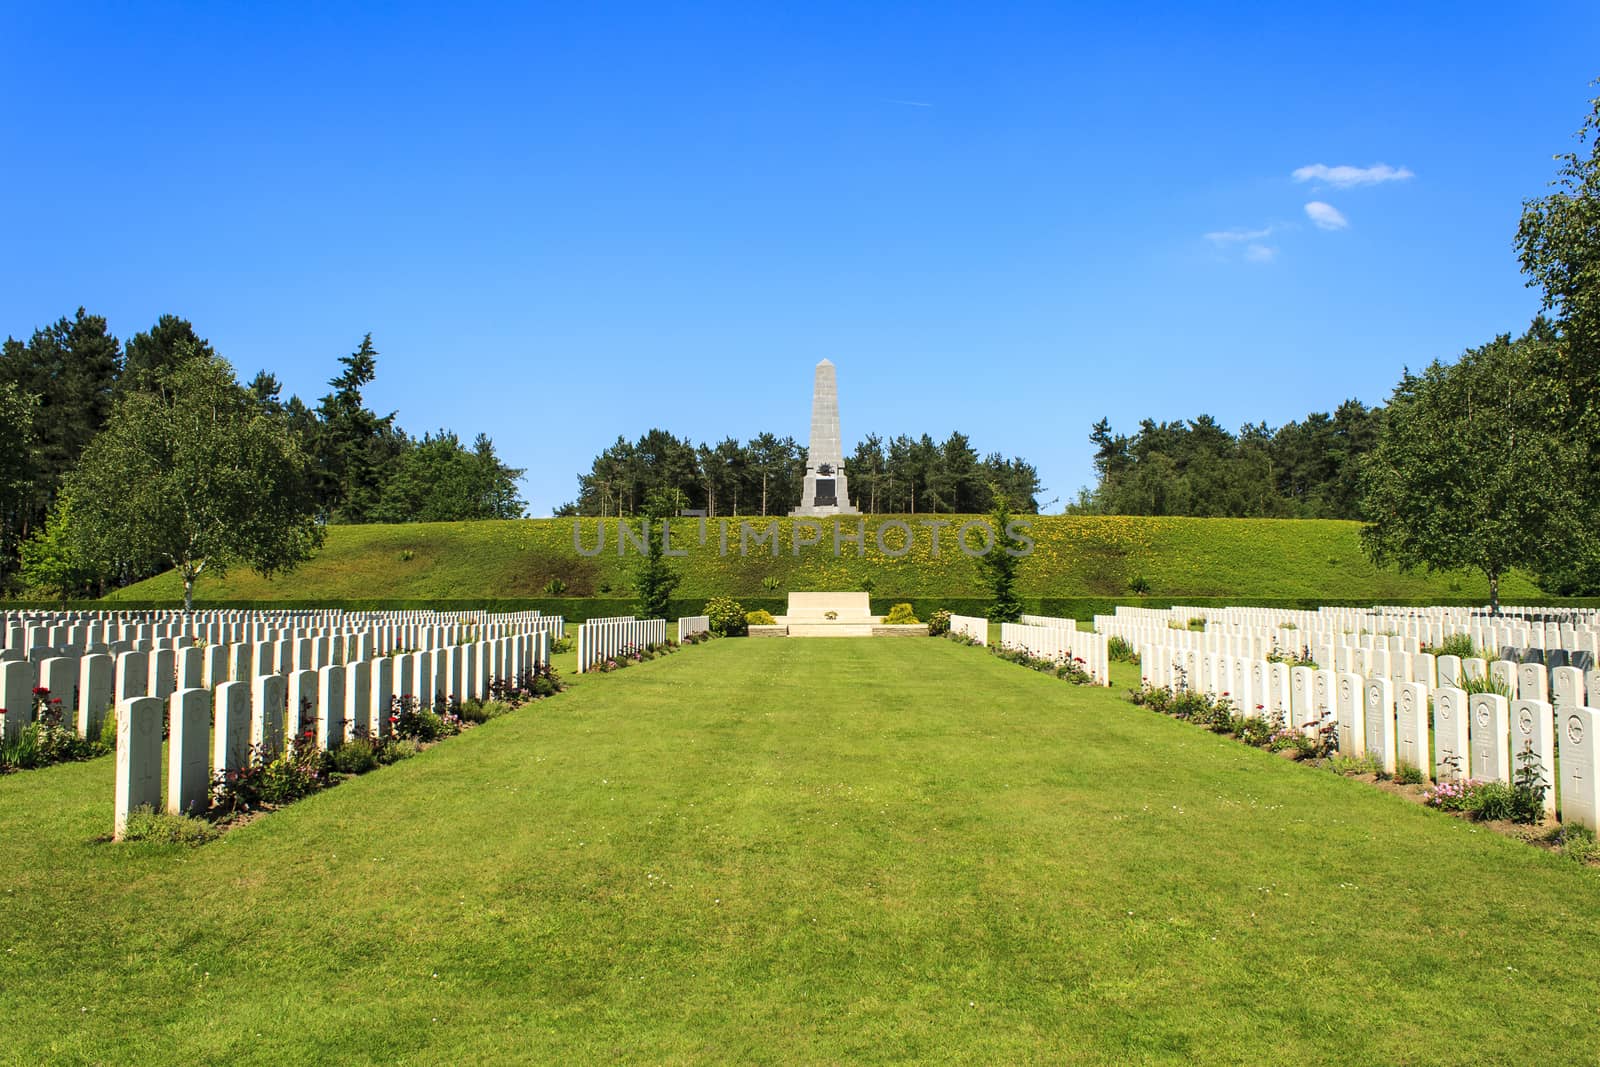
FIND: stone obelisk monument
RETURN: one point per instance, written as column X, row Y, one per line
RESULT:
column 826, row 492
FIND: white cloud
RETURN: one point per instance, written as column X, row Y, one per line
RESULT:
column 1260, row 253
column 1345, row 177
column 1325, row 216
column 1224, row 237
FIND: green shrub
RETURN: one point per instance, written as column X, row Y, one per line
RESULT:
column 565, row 643
column 1255, row 731
column 1486, row 684
column 146, row 824
column 1138, row 585
column 411, row 719
column 396, row 749
column 1406, row 774
column 1350, row 766
column 759, row 617
column 356, row 756
column 1491, row 801
column 1121, row 651
column 297, row 773
column 1576, row 843
column 901, row 615
column 726, row 616
column 1458, row 645
column 555, row 587
column 1197, row 624
column 481, row 711
column 939, row 623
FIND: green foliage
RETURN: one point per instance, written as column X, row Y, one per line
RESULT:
column 1558, row 243
column 1138, row 585
column 437, row 479
column 1197, row 624
column 1121, row 650
column 356, row 756
column 481, row 711
column 68, row 369
column 1305, row 469
column 766, row 476
column 17, row 463
column 1406, row 774
column 759, row 617
column 727, row 618
column 1459, row 645
column 1487, row 683
column 51, row 561
column 1576, row 843
column 939, row 623
column 1471, row 471
column 1352, row 766
column 900, row 615
column 554, row 587
column 411, row 719
column 193, row 478
column 653, row 576
column 1000, row 564
column 147, row 824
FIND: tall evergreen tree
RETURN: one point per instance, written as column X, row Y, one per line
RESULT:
column 354, row 442
column 149, row 355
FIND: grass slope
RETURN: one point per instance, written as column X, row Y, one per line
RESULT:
column 919, row 852
column 1075, row 556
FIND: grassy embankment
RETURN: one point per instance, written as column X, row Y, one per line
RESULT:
column 1088, row 560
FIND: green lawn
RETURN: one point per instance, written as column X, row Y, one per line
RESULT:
column 800, row 851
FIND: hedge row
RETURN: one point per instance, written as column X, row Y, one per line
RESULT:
column 576, row 609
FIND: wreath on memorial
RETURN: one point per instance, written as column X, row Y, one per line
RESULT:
column 830, row 615
column 825, row 470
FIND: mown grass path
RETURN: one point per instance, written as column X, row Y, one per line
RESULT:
column 800, row 851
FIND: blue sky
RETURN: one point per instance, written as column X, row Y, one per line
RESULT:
column 566, row 223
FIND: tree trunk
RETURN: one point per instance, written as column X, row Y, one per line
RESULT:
column 1494, row 594
column 188, row 592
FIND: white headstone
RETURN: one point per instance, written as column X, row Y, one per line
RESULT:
column 94, row 693
column 268, row 700
column 1533, row 732
column 1380, row 727
column 1580, row 756
column 138, row 782
column 188, row 766
column 1351, row 721
column 1488, row 715
column 231, row 741
column 1411, row 726
column 330, row 707
column 1451, row 738
column 1566, row 687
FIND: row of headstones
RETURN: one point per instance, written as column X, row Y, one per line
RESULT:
column 1060, row 639
column 1322, row 644
column 693, row 624
column 86, row 686
column 1575, row 631
column 970, row 626
column 1479, row 735
column 38, row 642
column 1532, row 680
column 180, row 620
column 214, row 730
column 600, row 639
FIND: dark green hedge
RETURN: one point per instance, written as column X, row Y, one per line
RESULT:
column 576, row 609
